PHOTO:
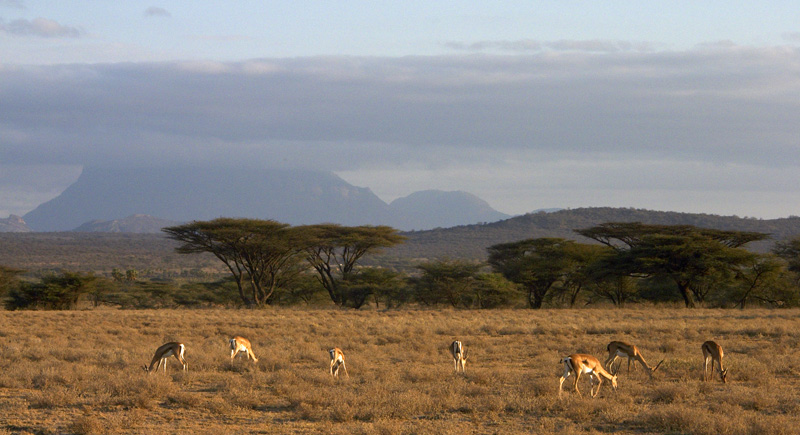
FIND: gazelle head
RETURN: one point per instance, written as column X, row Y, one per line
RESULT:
column 614, row 382
column 724, row 375
column 653, row 370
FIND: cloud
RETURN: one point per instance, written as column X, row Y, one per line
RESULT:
column 533, row 46
column 154, row 11
column 677, row 104
column 617, row 123
column 519, row 46
column 41, row 27
column 791, row 36
column 13, row 4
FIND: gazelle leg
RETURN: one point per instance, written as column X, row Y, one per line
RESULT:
column 575, row 383
column 564, row 377
column 561, row 382
column 599, row 384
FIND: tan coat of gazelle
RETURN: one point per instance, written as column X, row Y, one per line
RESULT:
column 617, row 349
column 241, row 344
column 165, row 351
column 337, row 361
column 578, row 364
column 712, row 352
column 459, row 356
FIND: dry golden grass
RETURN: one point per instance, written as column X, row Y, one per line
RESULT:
column 80, row 372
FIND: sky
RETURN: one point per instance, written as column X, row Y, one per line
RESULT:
column 677, row 106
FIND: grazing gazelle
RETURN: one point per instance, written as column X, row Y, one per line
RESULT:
column 618, row 349
column 241, row 344
column 165, row 351
column 337, row 360
column 459, row 355
column 713, row 352
column 577, row 364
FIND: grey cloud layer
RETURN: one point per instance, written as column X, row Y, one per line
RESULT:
column 715, row 105
column 154, row 11
column 41, row 27
column 533, row 46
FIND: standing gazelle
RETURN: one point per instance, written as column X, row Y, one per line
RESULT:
column 713, row 352
column 577, row 364
column 459, row 355
column 165, row 351
column 618, row 349
column 241, row 344
column 337, row 360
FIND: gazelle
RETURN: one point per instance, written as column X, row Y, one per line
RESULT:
column 713, row 352
column 337, row 360
column 578, row 364
column 241, row 344
column 618, row 349
column 165, row 351
column 459, row 355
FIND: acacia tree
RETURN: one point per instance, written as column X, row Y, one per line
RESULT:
column 686, row 254
column 334, row 250
column 760, row 280
column 789, row 251
column 8, row 278
column 260, row 254
column 450, row 281
column 535, row 264
column 55, row 292
column 461, row 283
column 372, row 281
column 579, row 273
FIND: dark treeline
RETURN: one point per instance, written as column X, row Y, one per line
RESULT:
column 271, row 263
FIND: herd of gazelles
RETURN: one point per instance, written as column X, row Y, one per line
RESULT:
column 575, row 364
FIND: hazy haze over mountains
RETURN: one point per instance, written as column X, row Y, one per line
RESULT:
column 101, row 197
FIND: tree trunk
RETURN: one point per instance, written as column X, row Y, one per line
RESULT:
column 535, row 300
column 686, row 293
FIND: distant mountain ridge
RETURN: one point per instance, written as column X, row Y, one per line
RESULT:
column 439, row 209
column 138, row 223
column 471, row 241
column 291, row 196
column 79, row 250
column 14, row 224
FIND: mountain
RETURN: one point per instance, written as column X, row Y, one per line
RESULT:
column 13, row 224
column 103, row 251
column 471, row 241
column 439, row 209
column 186, row 194
column 138, row 223
column 292, row 196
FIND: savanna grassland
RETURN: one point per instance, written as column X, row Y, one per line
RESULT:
column 80, row 372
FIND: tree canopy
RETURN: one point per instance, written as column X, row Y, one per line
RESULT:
column 685, row 254
column 260, row 254
column 263, row 255
column 535, row 264
column 334, row 250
